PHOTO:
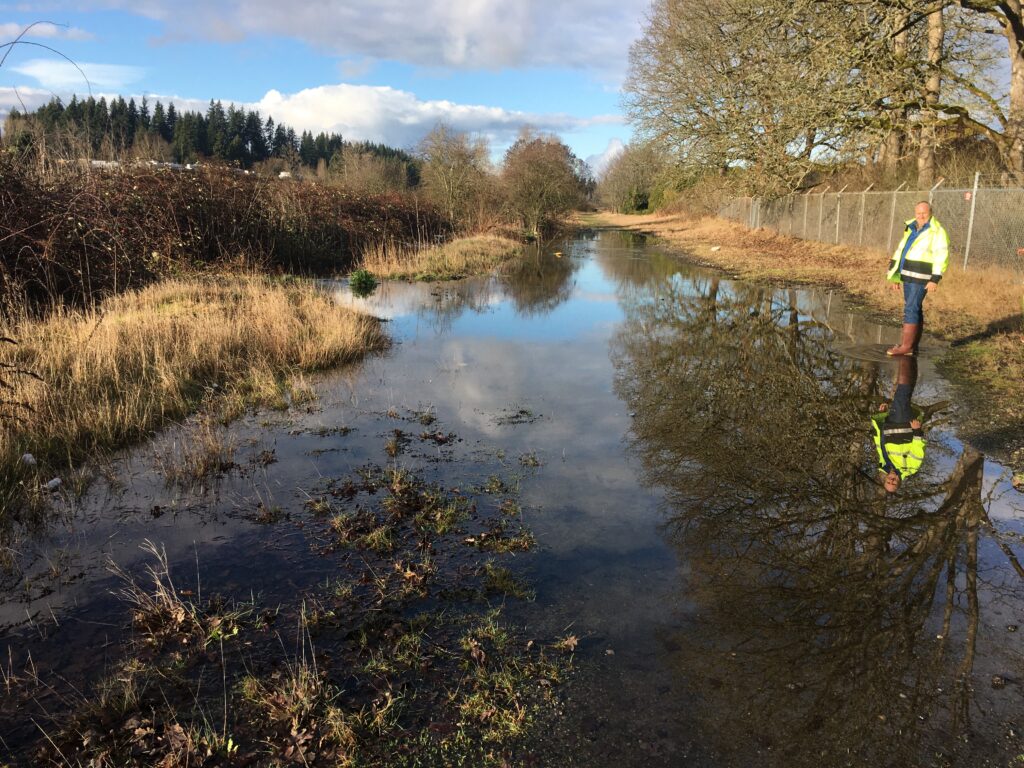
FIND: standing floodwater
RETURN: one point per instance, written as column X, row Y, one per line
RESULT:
column 695, row 458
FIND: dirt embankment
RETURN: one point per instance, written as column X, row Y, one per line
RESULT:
column 978, row 311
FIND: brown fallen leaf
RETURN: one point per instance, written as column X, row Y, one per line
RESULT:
column 567, row 643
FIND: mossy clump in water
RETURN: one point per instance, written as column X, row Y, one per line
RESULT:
column 362, row 282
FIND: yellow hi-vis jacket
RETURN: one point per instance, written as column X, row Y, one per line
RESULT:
column 927, row 258
column 903, row 444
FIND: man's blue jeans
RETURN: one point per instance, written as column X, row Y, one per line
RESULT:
column 913, row 302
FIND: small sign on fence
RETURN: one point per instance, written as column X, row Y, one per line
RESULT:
column 967, row 195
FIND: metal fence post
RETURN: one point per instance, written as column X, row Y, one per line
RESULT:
column 970, row 222
column 839, row 210
column 892, row 216
column 863, row 196
column 821, row 211
column 931, row 192
column 807, row 200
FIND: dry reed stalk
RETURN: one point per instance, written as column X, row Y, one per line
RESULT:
column 110, row 377
column 467, row 256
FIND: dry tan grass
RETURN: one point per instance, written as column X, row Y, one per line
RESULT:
column 965, row 302
column 460, row 258
column 111, row 377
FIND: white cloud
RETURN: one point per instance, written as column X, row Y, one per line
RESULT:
column 59, row 75
column 399, row 118
column 21, row 99
column 12, row 29
column 471, row 34
column 360, row 112
column 598, row 163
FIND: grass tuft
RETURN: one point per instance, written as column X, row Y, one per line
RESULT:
column 468, row 256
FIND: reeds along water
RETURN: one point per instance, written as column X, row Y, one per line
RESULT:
column 106, row 378
column 477, row 254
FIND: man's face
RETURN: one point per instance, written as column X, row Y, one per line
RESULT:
column 921, row 214
column 892, row 482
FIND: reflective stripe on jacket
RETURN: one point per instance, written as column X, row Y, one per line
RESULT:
column 927, row 258
column 904, row 445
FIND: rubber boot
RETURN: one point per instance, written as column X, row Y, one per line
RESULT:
column 917, row 335
column 906, row 345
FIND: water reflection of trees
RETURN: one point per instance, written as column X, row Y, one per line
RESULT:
column 536, row 283
column 834, row 625
column 626, row 261
column 539, row 281
column 448, row 301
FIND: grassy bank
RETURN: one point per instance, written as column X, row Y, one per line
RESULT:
column 476, row 255
column 106, row 378
column 979, row 311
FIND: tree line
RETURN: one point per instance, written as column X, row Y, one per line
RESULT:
column 538, row 180
column 777, row 93
column 231, row 135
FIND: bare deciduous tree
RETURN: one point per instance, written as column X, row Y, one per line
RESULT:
column 770, row 86
column 780, row 87
column 454, row 167
column 543, row 179
column 932, row 87
column 633, row 178
column 1004, row 17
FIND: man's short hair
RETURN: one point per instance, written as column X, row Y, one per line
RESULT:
column 924, row 202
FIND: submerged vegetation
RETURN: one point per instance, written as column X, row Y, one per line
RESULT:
column 362, row 282
column 400, row 659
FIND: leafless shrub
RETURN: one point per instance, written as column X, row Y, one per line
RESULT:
column 71, row 235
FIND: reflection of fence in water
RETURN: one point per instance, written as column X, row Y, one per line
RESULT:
column 985, row 224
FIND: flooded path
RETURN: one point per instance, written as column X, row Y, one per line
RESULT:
column 695, row 458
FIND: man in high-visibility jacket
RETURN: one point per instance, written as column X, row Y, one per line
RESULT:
column 918, row 263
column 898, row 431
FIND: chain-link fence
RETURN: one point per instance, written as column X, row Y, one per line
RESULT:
column 985, row 224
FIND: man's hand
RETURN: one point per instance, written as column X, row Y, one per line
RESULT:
column 931, row 286
column 894, row 286
column 883, row 407
column 915, row 424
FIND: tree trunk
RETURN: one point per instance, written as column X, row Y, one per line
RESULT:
column 929, row 115
column 1014, row 29
column 892, row 147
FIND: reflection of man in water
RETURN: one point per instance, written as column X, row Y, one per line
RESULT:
column 899, row 437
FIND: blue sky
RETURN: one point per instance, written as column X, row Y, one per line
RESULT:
column 384, row 71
